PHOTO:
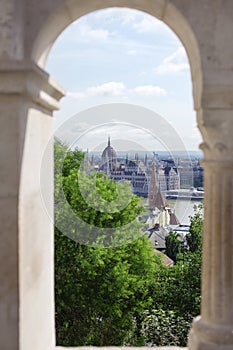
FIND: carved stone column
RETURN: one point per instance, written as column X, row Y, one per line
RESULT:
column 214, row 329
column 27, row 99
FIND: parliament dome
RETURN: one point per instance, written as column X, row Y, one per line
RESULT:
column 109, row 153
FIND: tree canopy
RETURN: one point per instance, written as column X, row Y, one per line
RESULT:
column 173, row 245
column 194, row 237
column 98, row 290
column 110, row 286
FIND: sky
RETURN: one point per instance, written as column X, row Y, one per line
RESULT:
column 126, row 57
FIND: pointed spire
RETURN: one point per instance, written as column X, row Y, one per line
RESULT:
column 173, row 219
column 92, row 159
column 153, row 189
column 160, row 201
column 146, row 160
column 109, row 141
column 156, row 198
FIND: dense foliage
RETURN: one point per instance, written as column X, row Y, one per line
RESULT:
column 165, row 327
column 98, row 291
column 194, row 237
column 121, row 295
column 173, row 245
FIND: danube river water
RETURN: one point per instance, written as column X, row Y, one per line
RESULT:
column 183, row 209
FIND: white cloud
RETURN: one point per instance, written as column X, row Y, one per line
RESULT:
column 140, row 21
column 76, row 94
column 131, row 52
column 150, row 90
column 87, row 32
column 124, row 16
column 175, row 63
column 114, row 88
column 84, row 31
column 128, row 17
column 148, row 24
column 123, row 137
column 111, row 88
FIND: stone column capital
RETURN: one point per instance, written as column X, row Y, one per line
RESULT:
column 216, row 126
column 217, row 153
column 31, row 81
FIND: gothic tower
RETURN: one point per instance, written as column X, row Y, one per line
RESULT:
column 109, row 157
column 156, row 198
column 153, row 188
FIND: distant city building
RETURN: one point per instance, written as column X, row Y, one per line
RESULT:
column 186, row 177
column 136, row 171
column 198, row 176
column 109, row 158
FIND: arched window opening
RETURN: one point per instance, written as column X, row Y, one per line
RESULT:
column 121, row 57
column 29, row 96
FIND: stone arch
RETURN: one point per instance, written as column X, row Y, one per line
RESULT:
column 62, row 16
column 27, row 99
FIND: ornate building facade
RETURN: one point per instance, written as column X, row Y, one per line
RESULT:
column 138, row 172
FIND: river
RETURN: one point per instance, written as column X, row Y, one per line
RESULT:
column 183, row 209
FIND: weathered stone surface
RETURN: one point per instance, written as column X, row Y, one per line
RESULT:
column 28, row 96
column 121, row 348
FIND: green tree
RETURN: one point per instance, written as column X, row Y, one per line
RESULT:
column 176, row 297
column 173, row 245
column 194, row 237
column 100, row 292
column 122, row 295
column 165, row 327
column 85, row 205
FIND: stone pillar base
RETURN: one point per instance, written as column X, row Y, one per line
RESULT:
column 204, row 336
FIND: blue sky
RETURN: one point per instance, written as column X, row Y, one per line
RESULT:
column 125, row 56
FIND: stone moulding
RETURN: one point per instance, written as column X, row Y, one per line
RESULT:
column 33, row 82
